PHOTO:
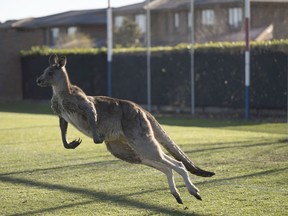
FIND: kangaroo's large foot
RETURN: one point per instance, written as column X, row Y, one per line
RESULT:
column 178, row 198
column 195, row 192
column 197, row 196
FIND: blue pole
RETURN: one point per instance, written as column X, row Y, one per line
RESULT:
column 247, row 59
column 109, row 50
column 247, row 102
column 109, row 78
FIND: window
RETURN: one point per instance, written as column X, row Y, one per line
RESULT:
column 54, row 35
column 72, row 30
column 119, row 21
column 176, row 20
column 140, row 20
column 208, row 17
column 235, row 17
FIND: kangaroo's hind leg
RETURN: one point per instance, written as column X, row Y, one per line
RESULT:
column 124, row 152
column 140, row 137
column 169, row 174
column 181, row 170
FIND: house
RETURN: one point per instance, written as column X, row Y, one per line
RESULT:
column 43, row 31
column 214, row 20
column 50, row 28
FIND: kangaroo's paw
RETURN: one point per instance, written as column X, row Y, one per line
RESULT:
column 73, row 144
column 99, row 139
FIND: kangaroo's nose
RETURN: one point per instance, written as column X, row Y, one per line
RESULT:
column 38, row 80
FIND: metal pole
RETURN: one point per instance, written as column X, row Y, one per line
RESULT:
column 247, row 59
column 192, row 58
column 148, row 40
column 109, row 49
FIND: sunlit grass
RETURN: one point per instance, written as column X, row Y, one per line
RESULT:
column 39, row 177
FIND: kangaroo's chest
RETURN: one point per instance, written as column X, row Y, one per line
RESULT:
column 73, row 114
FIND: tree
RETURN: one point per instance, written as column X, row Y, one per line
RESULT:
column 78, row 40
column 128, row 34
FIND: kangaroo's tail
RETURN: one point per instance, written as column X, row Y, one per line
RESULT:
column 174, row 150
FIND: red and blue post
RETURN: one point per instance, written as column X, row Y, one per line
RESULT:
column 109, row 50
column 247, row 59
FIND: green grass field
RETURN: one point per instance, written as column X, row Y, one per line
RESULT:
column 39, row 177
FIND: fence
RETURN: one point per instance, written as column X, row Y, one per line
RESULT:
column 219, row 78
column 86, row 71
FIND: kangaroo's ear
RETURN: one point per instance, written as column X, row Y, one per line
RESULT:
column 53, row 59
column 62, row 61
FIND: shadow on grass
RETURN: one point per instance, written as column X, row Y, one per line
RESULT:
column 122, row 200
column 251, row 175
column 280, row 144
column 188, row 121
column 73, row 166
column 237, row 145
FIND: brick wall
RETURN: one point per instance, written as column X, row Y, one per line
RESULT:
column 11, row 42
column 271, row 13
column 98, row 33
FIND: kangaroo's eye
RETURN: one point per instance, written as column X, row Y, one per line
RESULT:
column 50, row 73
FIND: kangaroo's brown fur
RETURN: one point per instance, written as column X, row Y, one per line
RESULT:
column 130, row 133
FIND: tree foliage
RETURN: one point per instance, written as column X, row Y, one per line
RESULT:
column 77, row 40
column 127, row 35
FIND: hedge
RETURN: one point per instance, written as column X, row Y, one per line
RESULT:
column 226, row 47
column 219, row 74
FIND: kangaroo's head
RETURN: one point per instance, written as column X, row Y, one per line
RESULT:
column 55, row 74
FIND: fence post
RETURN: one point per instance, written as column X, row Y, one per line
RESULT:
column 247, row 59
column 109, row 49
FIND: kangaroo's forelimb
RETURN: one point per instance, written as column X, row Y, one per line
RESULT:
column 63, row 127
column 92, row 119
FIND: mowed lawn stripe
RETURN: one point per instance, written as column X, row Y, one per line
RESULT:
column 39, row 177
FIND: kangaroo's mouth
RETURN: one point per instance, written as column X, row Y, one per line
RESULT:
column 41, row 83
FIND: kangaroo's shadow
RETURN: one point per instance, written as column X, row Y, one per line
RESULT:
column 122, row 200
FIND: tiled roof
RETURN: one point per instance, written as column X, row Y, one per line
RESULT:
column 177, row 4
column 169, row 4
column 70, row 18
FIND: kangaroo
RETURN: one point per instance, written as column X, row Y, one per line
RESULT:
column 130, row 133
